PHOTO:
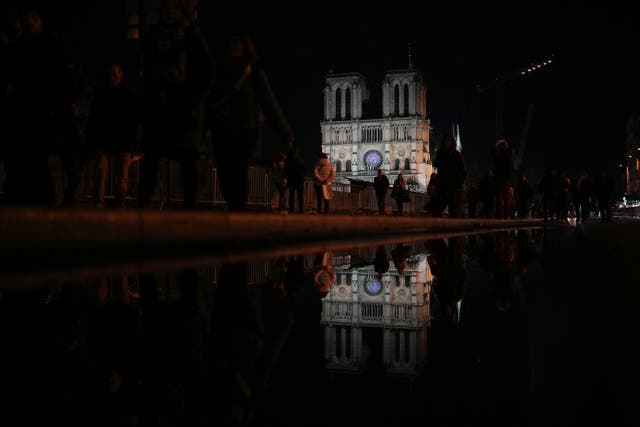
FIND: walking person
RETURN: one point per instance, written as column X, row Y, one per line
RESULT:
column 548, row 187
column 524, row 192
column 400, row 193
column 281, row 183
column 111, row 135
column 323, row 174
column 604, row 191
column 294, row 170
column 452, row 173
column 381, row 186
column 177, row 78
column 582, row 195
column 503, row 166
column 240, row 100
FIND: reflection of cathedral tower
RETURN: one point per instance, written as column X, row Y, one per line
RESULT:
column 398, row 142
column 363, row 315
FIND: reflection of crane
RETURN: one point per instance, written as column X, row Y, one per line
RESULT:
column 523, row 141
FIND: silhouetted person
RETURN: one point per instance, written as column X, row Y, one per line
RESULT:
column 72, row 152
column 452, row 173
column 381, row 186
column 582, row 196
column 281, row 183
column 400, row 193
column 473, row 196
column 549, row 190
column 562, row 196
column 294, row 170
column 178, row 71
column 9, row 31
column 502, row 168
column 433, row 205
column 524, row 192
column 37, row 73
column 323, row 174
column 486, row 193
column 111, row 133
column 604, row 193
column 240, row 98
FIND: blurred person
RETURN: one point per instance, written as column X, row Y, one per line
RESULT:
column 39, row 98
column 280, row 182
column 452, row 173
column 111, row 135
column 240, row 99
column 294, row 171
column 178, row 76
column 524, row 192
column 502, row 155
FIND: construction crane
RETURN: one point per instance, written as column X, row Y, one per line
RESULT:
column 517, row 163
column 500, row 81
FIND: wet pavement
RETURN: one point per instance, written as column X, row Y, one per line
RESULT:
column 528, row 327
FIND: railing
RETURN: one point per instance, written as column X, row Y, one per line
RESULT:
column 403, row 312
column 371, row 311
column 261, row 194
column 341, row 310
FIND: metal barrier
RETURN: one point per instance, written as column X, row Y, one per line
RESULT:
column 261, row 194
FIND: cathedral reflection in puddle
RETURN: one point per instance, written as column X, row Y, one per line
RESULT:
column 395, row 333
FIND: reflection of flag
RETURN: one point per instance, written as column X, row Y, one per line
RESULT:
column 458, row 142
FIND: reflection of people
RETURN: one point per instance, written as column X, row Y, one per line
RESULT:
column 325, row 276
column 399, row 255
column 446, row 263
column 381, row 262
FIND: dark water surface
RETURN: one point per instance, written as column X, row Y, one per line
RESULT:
column 528, row 327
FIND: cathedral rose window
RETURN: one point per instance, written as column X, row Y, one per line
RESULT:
column 373, row 287
column 373, row 159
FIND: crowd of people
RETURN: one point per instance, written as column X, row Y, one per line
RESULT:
column 49, row 107
column 52, row 109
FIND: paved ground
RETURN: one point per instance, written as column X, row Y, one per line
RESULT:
column 53, row 245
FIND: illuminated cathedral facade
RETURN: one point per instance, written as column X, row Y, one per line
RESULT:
column 397, row 142
column 369, row 317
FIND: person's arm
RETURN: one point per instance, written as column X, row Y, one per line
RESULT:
column 271, row 107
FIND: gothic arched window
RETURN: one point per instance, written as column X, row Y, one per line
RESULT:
column 338, row 166
column 407, row 164
column 338, row 104
column 397, row 164
column 396, row 100
column 348, row 165
column 347, row 103
column 406, row 99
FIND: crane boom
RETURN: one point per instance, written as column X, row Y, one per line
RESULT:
column 523, row 141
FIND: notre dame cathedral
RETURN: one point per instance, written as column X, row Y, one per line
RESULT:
column 398, row 142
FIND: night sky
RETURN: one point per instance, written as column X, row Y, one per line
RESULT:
column 580, row 103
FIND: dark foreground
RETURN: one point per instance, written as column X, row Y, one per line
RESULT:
column 534, row 327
